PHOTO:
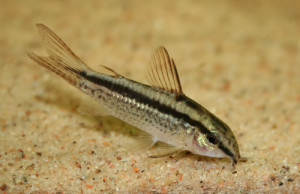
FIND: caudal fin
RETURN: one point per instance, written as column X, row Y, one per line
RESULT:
column 61, row 59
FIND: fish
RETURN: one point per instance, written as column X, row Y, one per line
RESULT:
column 160, row 109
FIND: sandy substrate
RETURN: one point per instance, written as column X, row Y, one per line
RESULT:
column 239, row 60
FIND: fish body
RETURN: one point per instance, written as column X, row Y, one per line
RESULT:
column 162, row 110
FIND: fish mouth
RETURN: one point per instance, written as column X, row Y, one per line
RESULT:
column 234, row 161
column 237, row 159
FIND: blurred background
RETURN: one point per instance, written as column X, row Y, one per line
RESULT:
column 240, row 59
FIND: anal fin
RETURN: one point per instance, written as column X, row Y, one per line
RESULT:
column 92, row 107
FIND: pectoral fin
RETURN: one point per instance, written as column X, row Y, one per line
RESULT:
column 143, row 142
column 164, row 150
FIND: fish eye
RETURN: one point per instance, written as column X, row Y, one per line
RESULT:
column 212, row 139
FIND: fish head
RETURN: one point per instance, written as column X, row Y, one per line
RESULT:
column 217, row 140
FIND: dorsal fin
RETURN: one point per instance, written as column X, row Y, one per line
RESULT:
column 162, row 72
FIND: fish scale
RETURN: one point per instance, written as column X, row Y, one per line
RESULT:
column 140, row 115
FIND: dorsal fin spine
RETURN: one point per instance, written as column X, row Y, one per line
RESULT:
column 177, row 78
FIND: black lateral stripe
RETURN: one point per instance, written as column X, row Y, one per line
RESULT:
column 141, row 98
column 226, row 150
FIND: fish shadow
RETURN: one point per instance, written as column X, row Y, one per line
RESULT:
column 66, row 98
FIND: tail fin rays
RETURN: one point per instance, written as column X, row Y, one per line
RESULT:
column 61, row 59
column 70, row 74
